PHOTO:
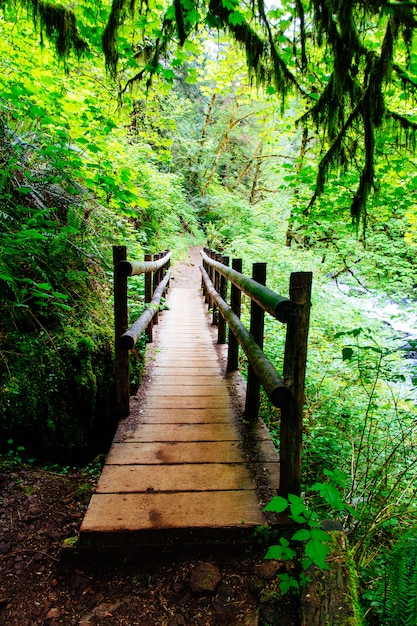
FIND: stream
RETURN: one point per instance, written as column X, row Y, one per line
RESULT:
column 400, row 318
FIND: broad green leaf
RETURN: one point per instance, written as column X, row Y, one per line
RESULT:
column 347, row 353
column 236, row 18
column 276, row 505
column 317, row 551
column 302, row 535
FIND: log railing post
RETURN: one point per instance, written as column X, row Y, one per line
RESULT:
column 148, row 296
column 257, row 317
column 121, row 360
column 235, row 305
column 216, row 283
column 295, row 359
column 221, row 333
column 210, row 253
column 155, row 282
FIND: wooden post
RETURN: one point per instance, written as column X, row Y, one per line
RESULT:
column 235, row 305
column 216, row 283
column 210, row 253
column 257, row 317
column 221, row 333
column 155, row 283
column 295, row 359
column 206, row 268
column 148, row 296
column 121, row 361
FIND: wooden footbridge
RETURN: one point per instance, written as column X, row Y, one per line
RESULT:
column 190, row 463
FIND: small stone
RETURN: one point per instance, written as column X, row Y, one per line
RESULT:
column 53, row 613
column 205, row 578
column 4, row 548
column 268, row 570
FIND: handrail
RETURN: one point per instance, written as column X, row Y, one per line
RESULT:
column 287, row 392
column 133, row 268
column 128, row 340
column 278, row 306
column 273, row 384
column 157, row 280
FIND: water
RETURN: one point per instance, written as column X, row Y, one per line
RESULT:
column 401, row 318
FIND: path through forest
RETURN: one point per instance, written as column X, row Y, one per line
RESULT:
column 42, row 509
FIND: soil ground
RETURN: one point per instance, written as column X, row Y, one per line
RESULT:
column 42, row 509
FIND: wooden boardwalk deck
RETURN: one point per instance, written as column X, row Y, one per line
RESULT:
column 177, row 468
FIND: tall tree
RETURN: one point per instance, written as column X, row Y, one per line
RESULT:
column 343, row 57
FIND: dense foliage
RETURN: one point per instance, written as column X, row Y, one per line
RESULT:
column 197, row 154
column 346, row 59
column 74, row 180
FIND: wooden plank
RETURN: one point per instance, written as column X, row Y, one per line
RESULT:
column 181, row 359
column 193, row 402
column 184, row 415
column 183, row 369
column 194, row 380
column 181, row 432
column 173, row 391
column 146, row 478
column 175, row 452
column 207, row 509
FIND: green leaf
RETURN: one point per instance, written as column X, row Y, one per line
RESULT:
column 330, row 494
column 299, row 511
column 320, row 535
column 317, row 551
column 347, row 353
column 302, row 535
column 276, row 505
column 287, row 582
column 236, row 18
column 280, row 552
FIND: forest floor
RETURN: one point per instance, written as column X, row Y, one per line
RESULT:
column 42, row 509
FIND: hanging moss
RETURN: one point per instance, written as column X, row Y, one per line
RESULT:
column 60, row 26
column 116, row 18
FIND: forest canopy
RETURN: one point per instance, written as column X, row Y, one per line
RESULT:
column 353, row 63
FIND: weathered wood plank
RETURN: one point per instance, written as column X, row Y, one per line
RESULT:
column 175, row 452
column 183, row 369
column 193, row 402
column 207, row 509
column 191, row 477
column 181, row 432
column 195, row 380
column 185, row 390
column 184, row 415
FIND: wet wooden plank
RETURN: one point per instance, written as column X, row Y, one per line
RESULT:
column 175, row 452
column 161, row 390
column 176, row 379
column 184, row 415
column 183, row 369
column 179, row 402
column 203, row 477
column 181, row 432
column 207, row 509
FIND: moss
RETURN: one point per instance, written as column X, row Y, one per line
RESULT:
column 58, row 396
column 331, row 597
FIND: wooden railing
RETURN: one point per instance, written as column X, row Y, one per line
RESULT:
column 156, row 270
column 286, row 392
